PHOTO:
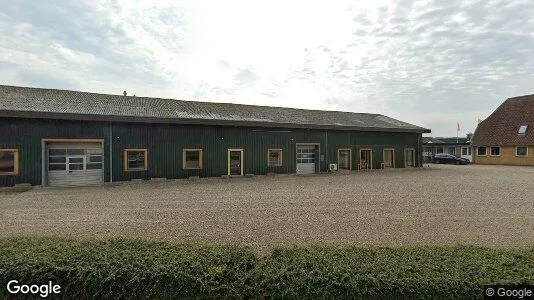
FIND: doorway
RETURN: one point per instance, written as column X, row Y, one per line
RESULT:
column 307, row 158
column 366, row 159
column 235, row 162
column 72, row 162
column 389, row 158
column 344, row 159
column 409, row 157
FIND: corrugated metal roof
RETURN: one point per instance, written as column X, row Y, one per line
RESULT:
column 63, row 104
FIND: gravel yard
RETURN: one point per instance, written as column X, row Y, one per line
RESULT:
column 443, row 204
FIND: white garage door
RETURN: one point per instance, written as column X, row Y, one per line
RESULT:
column 73, row 164
column 306, row 159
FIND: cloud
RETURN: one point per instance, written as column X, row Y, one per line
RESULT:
column 429, row 63
column 246, row 77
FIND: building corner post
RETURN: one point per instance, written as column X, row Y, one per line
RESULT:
column 326, row 151
column 110, row 152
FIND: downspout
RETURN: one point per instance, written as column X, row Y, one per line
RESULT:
column 419, row 152
column 326, row 150
column 44, row 178
column 110, row 152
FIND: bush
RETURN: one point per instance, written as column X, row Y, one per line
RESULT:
column 423, row 272
column 123, row 268
column 126, row 268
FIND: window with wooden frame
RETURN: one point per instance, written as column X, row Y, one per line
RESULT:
column 9, row 161
column 481, row 151
column 495, row 151
column 521, row 151
column 135, row 160
column 274, row 157
column 192, row 159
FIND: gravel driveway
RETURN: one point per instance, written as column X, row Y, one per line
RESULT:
column 442, row 204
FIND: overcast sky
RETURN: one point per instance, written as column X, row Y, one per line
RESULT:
column 430, row 63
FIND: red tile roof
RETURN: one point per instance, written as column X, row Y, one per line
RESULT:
column 501, row 127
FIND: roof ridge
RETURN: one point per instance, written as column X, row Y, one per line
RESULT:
column 195, row 101
column 528, row 96
column 501, row 126
column 57, row 103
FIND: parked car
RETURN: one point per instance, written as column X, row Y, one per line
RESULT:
column 449, row 159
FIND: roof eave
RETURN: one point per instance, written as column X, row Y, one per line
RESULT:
column 191, row 121
column 443, row 144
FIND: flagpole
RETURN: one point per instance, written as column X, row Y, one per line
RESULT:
column 457, row 130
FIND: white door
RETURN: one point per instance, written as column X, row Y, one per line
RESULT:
column 306, row 159
column 75, row 164
column 388, row 158
column 344, row 159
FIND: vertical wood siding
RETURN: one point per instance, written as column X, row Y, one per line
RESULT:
column 165, row 143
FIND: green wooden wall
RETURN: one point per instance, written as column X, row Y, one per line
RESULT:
column 165, row 144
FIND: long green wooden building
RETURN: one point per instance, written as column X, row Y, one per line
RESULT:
column 59, row 138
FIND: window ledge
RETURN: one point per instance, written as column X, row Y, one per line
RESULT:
column 192, row 168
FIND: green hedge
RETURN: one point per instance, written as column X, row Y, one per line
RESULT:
column 445, row 272
column 125, row 268
column 120, row 268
